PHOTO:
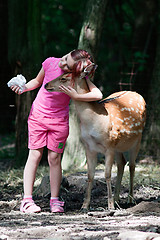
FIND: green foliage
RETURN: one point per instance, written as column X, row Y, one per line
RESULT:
column 115, row 54
column 61, row 24
column 141, row 59
column 17, row 34
column 145, row 175
column 7, row 149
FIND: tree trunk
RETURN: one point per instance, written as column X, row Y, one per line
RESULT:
column 144, row 40
column 152, row 133
column 93, row 23
column 74, row 154
column 25, row 54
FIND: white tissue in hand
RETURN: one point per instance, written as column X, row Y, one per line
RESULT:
column 19, row 81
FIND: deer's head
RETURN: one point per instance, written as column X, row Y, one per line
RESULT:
column 64, row 79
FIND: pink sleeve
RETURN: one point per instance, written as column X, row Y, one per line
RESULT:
column 46, row 63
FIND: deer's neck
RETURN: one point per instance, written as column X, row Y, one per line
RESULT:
column 87, row 109
column 81, row 86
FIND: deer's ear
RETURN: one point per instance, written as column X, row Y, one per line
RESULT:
column 84, row 64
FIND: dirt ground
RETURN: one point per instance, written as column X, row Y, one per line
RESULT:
column 140, row 221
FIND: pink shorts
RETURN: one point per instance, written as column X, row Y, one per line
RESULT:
column 50, row 132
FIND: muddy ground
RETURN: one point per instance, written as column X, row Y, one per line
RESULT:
column 139, row 221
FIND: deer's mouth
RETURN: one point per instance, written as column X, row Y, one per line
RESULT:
column 49, row 89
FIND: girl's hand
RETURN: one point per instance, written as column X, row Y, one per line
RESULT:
column 69, row 91
column 17, row 84
column 93, row 95
column 16, row 89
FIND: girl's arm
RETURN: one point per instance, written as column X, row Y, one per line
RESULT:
column 32, row 84
column 94, row 95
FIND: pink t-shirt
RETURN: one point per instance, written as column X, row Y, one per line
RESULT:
column 51, row 104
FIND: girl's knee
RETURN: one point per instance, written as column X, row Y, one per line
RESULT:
column 54, row 158
column 35, row 155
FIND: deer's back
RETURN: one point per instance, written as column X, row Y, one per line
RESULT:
column 127, row 113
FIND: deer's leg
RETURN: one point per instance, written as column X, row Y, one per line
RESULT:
column 120, row 170
column 109, row 159
column 133, row 155
column 91, row 164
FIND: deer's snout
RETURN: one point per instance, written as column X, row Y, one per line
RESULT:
column 45, row 86
column 48, row 87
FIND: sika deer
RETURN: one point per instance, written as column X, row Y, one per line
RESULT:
column 112, row 127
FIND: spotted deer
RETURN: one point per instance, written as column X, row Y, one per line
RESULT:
column 111, row 126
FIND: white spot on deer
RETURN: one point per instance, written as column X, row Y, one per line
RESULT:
column 122, row 130
column 125, row 131
column 120, row 119
column 127, row 118
column 136, row 132
column 140, row 99
column 115, row 133
column 125, row 108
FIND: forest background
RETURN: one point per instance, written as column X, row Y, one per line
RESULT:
column 128, row 56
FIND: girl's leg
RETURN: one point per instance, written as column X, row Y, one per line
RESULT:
column 30, row 169
column 54, row 160
column 28, row 205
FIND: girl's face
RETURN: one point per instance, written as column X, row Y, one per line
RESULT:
column 66, row 63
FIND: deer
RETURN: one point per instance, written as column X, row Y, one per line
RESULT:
column 111, row 126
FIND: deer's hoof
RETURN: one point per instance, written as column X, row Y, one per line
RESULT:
column 84, row 210
column 111, row 207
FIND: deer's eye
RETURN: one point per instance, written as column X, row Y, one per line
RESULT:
column 63, row 80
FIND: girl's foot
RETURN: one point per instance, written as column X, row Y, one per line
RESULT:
column 56, row 206
column 28, row 206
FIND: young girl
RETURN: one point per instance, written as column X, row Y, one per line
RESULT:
column 48, row 122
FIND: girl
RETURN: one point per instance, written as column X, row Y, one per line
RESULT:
column 48, row 122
